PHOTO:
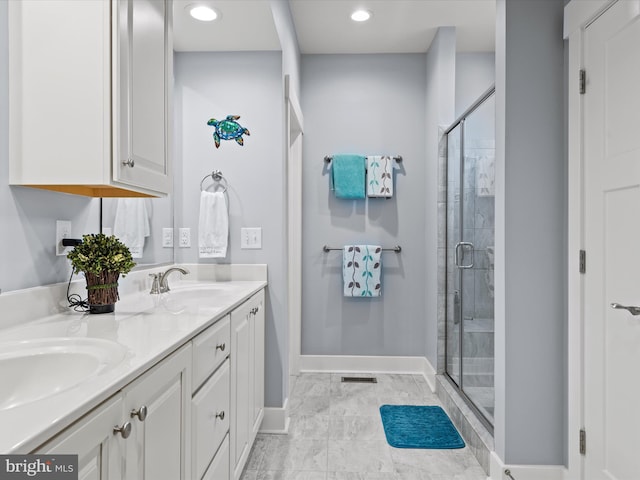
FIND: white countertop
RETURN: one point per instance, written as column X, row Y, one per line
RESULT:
column 148, row 326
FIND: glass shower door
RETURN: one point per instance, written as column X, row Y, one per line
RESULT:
column 460, row 252
column 454, row 277
column 469, row 355
column 478, row 313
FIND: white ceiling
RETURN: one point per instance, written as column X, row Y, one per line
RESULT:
column 244, row 25
column 324, row 26
column 397, row 26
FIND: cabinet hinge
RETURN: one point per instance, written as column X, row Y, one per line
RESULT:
column 583, row 81
column 583, row 261
column 583, row 441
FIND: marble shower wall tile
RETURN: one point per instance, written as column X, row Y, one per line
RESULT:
column 478, row 439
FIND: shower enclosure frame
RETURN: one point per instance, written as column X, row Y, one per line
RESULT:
column 459, row 385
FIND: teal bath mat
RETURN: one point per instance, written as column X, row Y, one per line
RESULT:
column 415, row 426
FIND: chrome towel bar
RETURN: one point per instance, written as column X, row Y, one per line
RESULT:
column 328, row 158
column 396, row 249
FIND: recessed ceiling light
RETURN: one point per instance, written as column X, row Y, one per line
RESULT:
column 202, row 13
column 361, row 15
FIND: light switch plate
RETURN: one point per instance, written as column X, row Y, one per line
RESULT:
column 251, row 238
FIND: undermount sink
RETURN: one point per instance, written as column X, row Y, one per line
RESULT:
column 192, row 297
column 31, row 370
column 202, row 287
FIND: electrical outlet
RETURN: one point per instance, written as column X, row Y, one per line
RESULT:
column 63, row 230
column 251, row 238
column 167, row 237
column 185, row 237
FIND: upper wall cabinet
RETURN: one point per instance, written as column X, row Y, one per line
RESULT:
column 89, row 101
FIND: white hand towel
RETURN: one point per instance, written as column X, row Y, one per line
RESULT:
column 213, row 227
column 131, row 224
column 380, row 176
column 361, row 269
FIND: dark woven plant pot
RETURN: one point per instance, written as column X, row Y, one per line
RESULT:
column 102, row 291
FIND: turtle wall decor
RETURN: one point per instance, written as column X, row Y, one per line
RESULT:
column 228, row 129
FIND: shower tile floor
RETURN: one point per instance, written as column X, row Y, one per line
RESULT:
column 336, row 434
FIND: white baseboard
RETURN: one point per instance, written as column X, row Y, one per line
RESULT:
column 524, row 472
column 369, row 364
column 276, row 419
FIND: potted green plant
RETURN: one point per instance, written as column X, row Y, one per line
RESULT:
column 102, row 259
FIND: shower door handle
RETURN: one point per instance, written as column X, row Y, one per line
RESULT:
column 460, row 246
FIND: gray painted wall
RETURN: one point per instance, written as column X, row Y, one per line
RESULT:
column 475, row 73
column 248, row 84
column 290, row 66
column 160, row 212
column 368, row 104
column 288, row 41
column 530, row 233
column 440, row 104
column 28, row 216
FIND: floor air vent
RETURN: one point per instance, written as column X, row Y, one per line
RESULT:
column 359, row 380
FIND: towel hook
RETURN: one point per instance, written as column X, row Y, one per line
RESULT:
column 217, row 176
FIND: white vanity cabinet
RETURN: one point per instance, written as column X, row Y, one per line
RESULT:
column 158, row 406
column 89, row 96
column 137, row 433
column 194, row 415
column 247, row 379
column 100, row 451
column 210, row 404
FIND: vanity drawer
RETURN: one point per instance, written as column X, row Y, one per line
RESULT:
column 210, row 418
column 210, row 348
column 219, row 468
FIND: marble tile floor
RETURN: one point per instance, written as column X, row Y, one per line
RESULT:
column 336, row 434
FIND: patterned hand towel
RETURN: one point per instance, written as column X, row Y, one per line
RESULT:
column 361, row 267
column 347, row 176
column 379, row 176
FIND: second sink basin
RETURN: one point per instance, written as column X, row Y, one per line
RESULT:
column 194, row 297
column 31, row 370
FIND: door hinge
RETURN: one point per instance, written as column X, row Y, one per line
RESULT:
column 583, row 441
column 583, row 81
column 583, row 261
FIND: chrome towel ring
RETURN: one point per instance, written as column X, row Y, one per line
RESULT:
column 217, row 177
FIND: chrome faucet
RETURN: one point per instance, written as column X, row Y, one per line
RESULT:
column 160, row 283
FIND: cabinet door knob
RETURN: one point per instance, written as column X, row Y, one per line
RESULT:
column 141, row 413
column 220, row 415
column 124, row 430
column 221, row 347
column 129, row 162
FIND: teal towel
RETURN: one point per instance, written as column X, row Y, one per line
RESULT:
column 347, row 175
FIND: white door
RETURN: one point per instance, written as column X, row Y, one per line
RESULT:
column 612, row 242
